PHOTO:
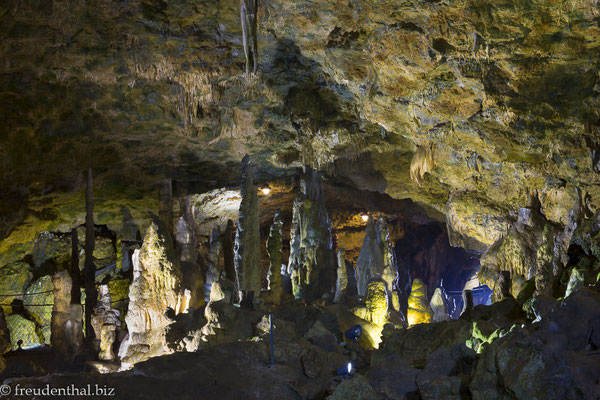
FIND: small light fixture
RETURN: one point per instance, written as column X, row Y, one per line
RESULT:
column 265, row 191
column 349, row 368
column 365, row 217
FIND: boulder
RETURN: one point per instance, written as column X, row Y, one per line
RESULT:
column 394, row 377
column 357, row 388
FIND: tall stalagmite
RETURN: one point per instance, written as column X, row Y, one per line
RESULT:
column 376, row 259
column 106, row 322
column 342, row 277
column 247, row 238
column 419, row 311
column 185, row 236
column 75, row 289
column 438, row 306
column 275, row 257
column 67, row 320
column 213, row 273
column 227, row 248
column 165, row 203
column 91, row 294
column 156, row 286
column 312, row 260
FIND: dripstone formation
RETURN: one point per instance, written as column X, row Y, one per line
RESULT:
column 67, row 320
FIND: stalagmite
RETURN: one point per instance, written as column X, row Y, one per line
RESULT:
column 376, row 258
column 213, row 273
column 66, row 327
column 275, row 258
column 312, row 260
column 418, row 306
column 438, row 306
column 227, row 248
column 247, row 238
column 342, row 277
column 376, row 304
column 91, row 294
column 106, row 322
column 156, row 287
column 185, row 237
column 75, row 289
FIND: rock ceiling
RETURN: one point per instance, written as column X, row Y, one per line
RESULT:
column 499, row 99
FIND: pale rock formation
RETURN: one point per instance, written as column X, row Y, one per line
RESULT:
column 376, row 258
column 312, row 261
column 106, row 322
column 467, row 296
column 156, row 287
column 275, row 259
column 438, row 306
column 184, row 237
column 342, row 277
column 247, row 238
column 419, row 311
column 67, row 320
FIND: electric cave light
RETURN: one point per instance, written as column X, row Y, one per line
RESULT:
column 265, row 191
column 365, row 217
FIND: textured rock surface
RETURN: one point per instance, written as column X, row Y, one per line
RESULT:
column 275, row 257
column 4, row 335
column 156, row 287
column 106, row 322
column 311, row 264
column 341, row 283
column 247, row 238
column 23, row 329
column 67, row 320
column 376, row 304
column 438, row 306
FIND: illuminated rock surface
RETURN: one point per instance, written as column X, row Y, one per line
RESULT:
column 419, row 311
column 106, row 322
column 67, row 319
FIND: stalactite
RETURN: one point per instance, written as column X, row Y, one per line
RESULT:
column 247, row 238
column 249, row 21
column 91, row 294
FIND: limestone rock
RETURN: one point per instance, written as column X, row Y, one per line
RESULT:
column 247, row 237
column 438, row 306
column 106, row 322
column 312, row 262
column 156, row 287
column 394, row 377
column 342, row 277
column 185, row 239
column 419, row 311
column 40, row 292
column 213, row 272
column 356, row 388
column 14, row 279
column 67, row 320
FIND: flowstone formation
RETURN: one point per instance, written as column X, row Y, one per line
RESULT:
column 106, row 322
column 438, row 306
column 311, row 264
column 376, row 259
column 419, row 311
column 156, row 287
column 67, row 320
column 376, row 304
column 341, row 283
column 247, row 239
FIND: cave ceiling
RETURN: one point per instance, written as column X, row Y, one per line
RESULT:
column 502, row 94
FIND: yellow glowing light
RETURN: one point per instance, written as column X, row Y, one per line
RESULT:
column 365, row 217
column 265, row 191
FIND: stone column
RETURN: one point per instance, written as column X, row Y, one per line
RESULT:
column 418, row 306
column 247, row 238
column 227, row 248
column 213, row 274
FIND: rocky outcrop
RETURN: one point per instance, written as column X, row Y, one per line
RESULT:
column 156, row 287
column 4, row 335
column 67, row 320
column 106, row 322
column 312, row 262
column 550, row 360
column 247, row 238
column 419, row 311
